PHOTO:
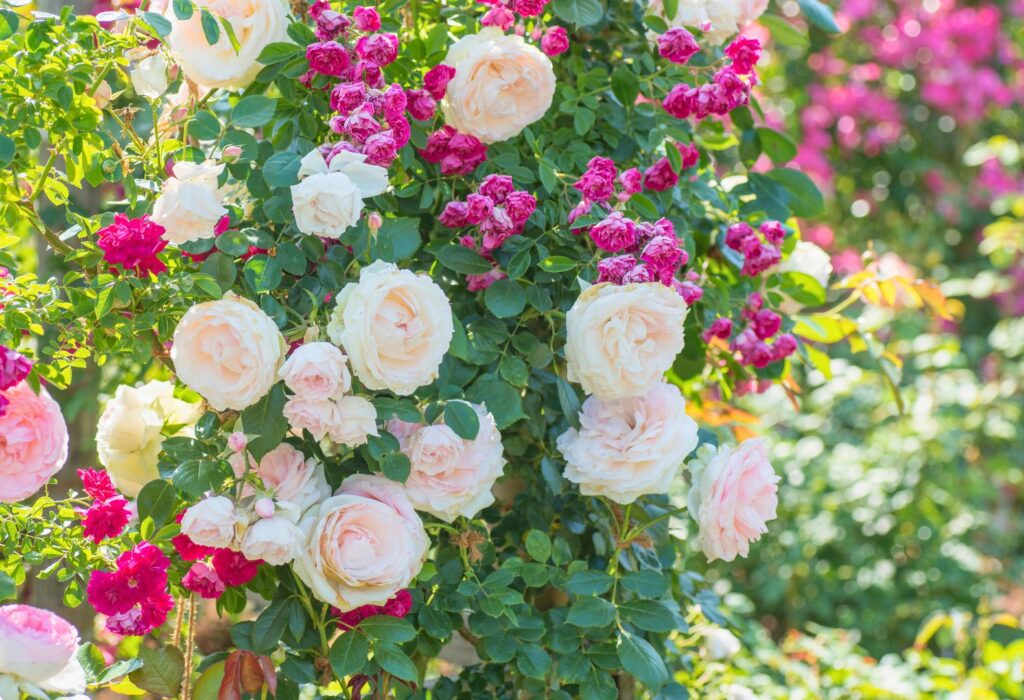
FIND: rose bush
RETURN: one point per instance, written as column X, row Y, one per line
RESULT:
column 372, row 251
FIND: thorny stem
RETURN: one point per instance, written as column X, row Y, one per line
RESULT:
column 189, row 646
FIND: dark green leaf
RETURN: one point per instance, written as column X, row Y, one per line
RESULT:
column 538, row 545
column 819, row 14
column 462, row 259
column 161, row 672
column 580, row 12
column 806, row 200
column 505, row 298
column 160, row 24
column 156, row 500
column 639, row 658
column 252, row 111
column 533, row 661
column 211, row 29
column 462, row 419
column 265, row 420
column 348, row 654
column 281, row 169
column 183, row 9
column 394, row 661
column 589, row 582
column 388, row 629
column 591, row 612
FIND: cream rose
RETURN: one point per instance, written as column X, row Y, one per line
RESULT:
column 395, row 326
column 275, row 540
column 317, row 371
column 287, row 475
column 256, row 23
column 149, row 77
column 190, row 203
column 501, row 85
column 229, row 351
column 211, row 522
column 131, row 428
column 627, row 448
column 317, row 417
column 622, row 339
column 329, row 199
column 356, row 422
column 363, row 545
column 451, row 476
column 734, row 493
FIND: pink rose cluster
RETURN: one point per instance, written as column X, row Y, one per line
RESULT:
column 214, row 569
column 370, row 114
column 397, row 606
column 752, row 342
column 457, row 153
column 108, row 514
column 134, row 244
column 422, row 102
column 14, row 367
column 760, row 248
column 134, row 596
column 499, row 211
column 729, row 87
column 502, row 13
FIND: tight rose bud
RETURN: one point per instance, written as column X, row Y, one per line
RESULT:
column 264, row 507
column 231, row 154
column 374, row 221
column 555, row 41
column 237, row 441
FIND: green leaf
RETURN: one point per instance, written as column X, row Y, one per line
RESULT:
column 589, row 582
column 462, row 419
column 639, row 658
column 557, row 263
column 348, row 654
column 156, row 500
column 9, row 23
column 807, row 200
column 532, row 661
column 263, row 273
column 195, row 477
column 388, row 629
column 819, row 14
column 656, row 24
column 183, row 9
column 646, row 583
column 222, row 269
column 580, row 12
column 591, row 612
column 160, row 24
column 776, row 146
column 648, row 615
column 500, row 647
column 568, row 401
column 270, row 626
column 7, row 588
column 538, row 545
column 505, row 298
column 785, row 33
column 803, row 289
column 462, row 259
column 598, row 685
column 280, row 51
column 7, row 150
column 402, row 236
column 265, row 420
column 252, row 111
column 230, row 31
column 501, row 399
column 583, row 119
column 281, row 169
column 626, row 86
column 772, row 197
column 211, row 29
column 162, row 670
column 394, row 661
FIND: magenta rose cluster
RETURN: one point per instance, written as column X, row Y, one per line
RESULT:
column 108, row 514
column 729, row 87
column 751, row 344
column 134, row 596
column 502, row 13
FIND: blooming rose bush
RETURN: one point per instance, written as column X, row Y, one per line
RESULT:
column 414, row 322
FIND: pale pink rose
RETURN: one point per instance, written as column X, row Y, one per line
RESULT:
column 287, row 475
column 38, row 648
column 734, row 493
column 501, row 85
column 275, row 540
column 402, row 429
column 228, row 351
column 211, row 522
column 621, row 339
column 317, row 371
column 315, row 416
column 356, row 422
column 33, row 442
column 451, row 476
column 363, row 545
column 627, row 448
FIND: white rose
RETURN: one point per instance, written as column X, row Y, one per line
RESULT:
column 256, row 24
column 288, row 476
column 228, row 351
column 149, row 77
column 130, row 432
column 274, row 540
column 329, row 199
column 501, row 85
column 808, row 259
column 720, row 644
column 627, row 448
column 211, row 522
column 727, row 17
column 363, row 545
column 395, row 326
column 317, row 371
column 356, row 422
column 622, row 339
column 189, row 205
column 451, row 476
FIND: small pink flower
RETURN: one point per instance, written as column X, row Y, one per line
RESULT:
column 766, row 323
column 382, row 49
column 479, row 207
column 420, row 104
column 597, row 184
column 677, row 45
column 660, row 176
column 106, row 518
column 366, row 19
column 555, row 41
column 499, row 16
column 203, row 580
column 436, row 80
column 233, row 568
column 476, row 283
column 745, row 52
column 497, row 187
column 615, row 233
column 454, row 215
column 237, row 441
column 631, row 181
column 721, row 328
column 14, row 367
column 520, row 206
column 327, row 58
column 133, row 244
column 614, row 269
column 347, row 97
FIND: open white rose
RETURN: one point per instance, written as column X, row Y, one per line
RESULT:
column 627, row 448
column 501, row 85
column 451, row 476
column 190, row 204
column 149, row 77
column 275, row 540
column 329, row 199
column 395, row 327
column 228, row 351
column 727, row 17
column 256, row 23
column 363, row 545
column 734, row 493
column 808, row 259
column 211, row 522
column 130, row 432
column 621, row 339
column 317, row 371
column 356, row 422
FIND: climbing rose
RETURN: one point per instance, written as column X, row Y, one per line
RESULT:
column 133, row 244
